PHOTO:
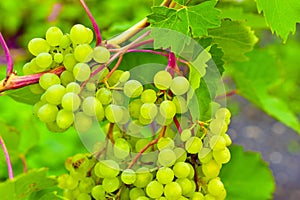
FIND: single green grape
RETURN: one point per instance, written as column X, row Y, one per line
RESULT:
column 79, row 34
column 134, row 193
column 218, row 126
column 91, row 106
column 165, row 175
column 124, row 77
column 114, row 113
column 90, row 36
column 205, row 155
column 181, row 104
column 115, row 77
column 121, row 148
column 215, row 186
column 134, row 108
column 58, row 58
column 65, row 41
column 69, row 61
column 64, row 119
column 44, row 60
column 162, row 80
column 83, row 196
column 101, row 54
column 37, row 46
column 73, row 87
column 186, row 185
column 148, row 96
column 223, row 113
column 167, row 157
column 86, row 185
column 55, row 93
column 180, row 85
column 185, row 135
column 165, row 143
column 154, row 189
column 217, row 142
column 53, row 36
column 143, row 177
column 82, row 72
column 181, row 169
column 197, row 196
column 222, row 156
column 140, row 144
column 104, row 95
column 82, row 122
column 83, row 53
column 133, row 88
column 193, row 145
column 36, row 89
column 47, row 113
column 128, row 176
column 148, row 110
column 211, row 169
column 167, row 109
column 48, row 79
column 107, row 169
column 172, row 190
column 98, row 192
column 181, row 154
column 67, row 77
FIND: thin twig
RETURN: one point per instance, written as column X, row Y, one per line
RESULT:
column 10, row 63
column 228, row 94
column 7, row 158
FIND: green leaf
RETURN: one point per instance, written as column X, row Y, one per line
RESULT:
column 204, row 100
column 255, row 79
column 281, row 16
column 247, row 176
column 235, row 39
column 181, row 2
column 24, row 95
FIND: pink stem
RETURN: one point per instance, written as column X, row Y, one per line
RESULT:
column 9, row 166
column 94, row 23
column 57, row 7
column 9, row 60
column 228, row 94
column 177, row 124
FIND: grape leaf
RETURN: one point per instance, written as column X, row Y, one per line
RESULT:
column 235, row 39
column 247, row 176
column 255, row 79
column 23, row 95
column 281, row 16
column 181, row 2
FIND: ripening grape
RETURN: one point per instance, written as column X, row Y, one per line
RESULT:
column 55, row 93
column 167, row 109
column 53, row 36
column 73, row 87
column 64, row 119
column 227, row 139
column 82, row 122
column 181, row 154
column 193, row 145
column 133, row 88
column 111, row 184
column 134, row 193
column 27, row 69
column 154, row 189
column 143, row 177
column 148, row 96
column 107, row 169
column 83, row 196
column 167, row 157
column 217, row 142
column 124, row 77
column 185, row 135
column 66, row 77
column 69, row 61
column 52, row 126
column 36, row 89
column 215, row 186
column 79, row 34
column 114, row 78
column 128, row 176
column 172, row 190
column 47, row 113
column 165, row 143
column 165, row 175
column 162, row 80
column 65, row 41
column 114, row 113
column 91, row 106
column 37, row 46
column 205, row 155
column 223, row 113
column 83, row 53
column 48, row 79
column 181, row 170
column 211, row 169
column 218, row 126
column 186, row 185
column 148, row 110
column 82, row 72
column 222, row 156
column 44, row 60
column 121, row 148
column 104, row 95
column 98, row 192
column 101, row 54
column 134, row 108
column 180, row 85
column 86, row 185
column 140, row 144
column 58, row 57
column 197, row 196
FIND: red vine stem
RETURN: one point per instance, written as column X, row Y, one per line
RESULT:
column 177, row 124
column 9, row 59
column 161, row 134
column 7, row 158
column 22, row 157
column 94, row 23
column 228, row 94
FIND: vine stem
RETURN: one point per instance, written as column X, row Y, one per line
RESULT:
column 161, row 134
column 10, row 63
column 228, row 94
column 177, row 124
column 7, row 158
column 94, row 23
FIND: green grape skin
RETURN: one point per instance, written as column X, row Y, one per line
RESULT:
column 37, row 106
column 107, row 169
column 180, row 85
column 66, row 181
column 27, row 69
column 91, row 106
column 64, row 119
column 205, row 155
column 143, row 177
column 53, row 127
column 98, row 192
column 101, row 54
column 218, row 126
column 134, row 108
column 90, row 35
column 193, row 145
column 134, row 193
column 82, row 122
column 134, row 127
column 115, row 77
column 197, row 196
column 223, row 113
column 172, row 190
column 222, row 156
column 55, row 93
column 217, row 142
column 165, row 175
column 48, row 79
column 83, row 196
column 58, row 58
column 121, row 148
column 185, row 135
column 47, row 113
column 86, row 185
column 192, row 172
column 82, row 72
column 67, row 77
column 211, row 169
column 181, row 104
column 165, row 143
column 215, row 187
column 162, row 80
column 142, row 198
column 124, row 77
column 69, row 61
column 65, row 41
column 104, row 95
column 79, row 34
column 128, row 176
column 161, row 120
column 37, row 46
column 227, row 139
column 167, row 109
column 36, row 89
column 141, row 143
column 114, row 113
column 209, row 197
column 133, row 88
column 148, row 110
column 167, row 157
column 186, row 185
column 118, row 98
column 44, row 60
column 53, row 36
column 181, row 170
column 148, row 96
column 73, row 87
column 181, row 154
column 125, row 117
column 154, row 189
column 83, row 53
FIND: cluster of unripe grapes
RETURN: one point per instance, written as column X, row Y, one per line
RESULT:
column 151, row 144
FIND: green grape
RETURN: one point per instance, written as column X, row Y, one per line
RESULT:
column 162, row 80
column 48, row 79
column 181, row 104
column 118, row 98
column 114, row 113
column 121, row 148
column 107, row 169
column 104, row 95
column 98, row 192
column 58, row 58
column 82, row 72
column 167, row 109
column 181, row 154
column 83, row 53
column 134, row 127
column 37, row 46
column 167, row 157
column 140, row 144
column 181, row 170
column 83, row 196
column 134, row 108
column 222, row 156
column 197, row 196
column 65, row 41
column 133, row 88
column 185, row 135
column 91, row 106
column 148, row 96
column 180, row 85
column 36, row 89
column 44, row 60
column 27, row 69
column 124, row 77
column 37, row 106
column 143, row 177
column 114, row 78
column 128, row 176
column 53, row 36
column 79, row 34
column 82, row 122
column 66, row 77
column 47, row 113
column 86, row 185
column 142, row 198
column 64, row 119
column 172, row 190
column 69, row 61
column 211, row 169
column 154, row 189
column 161, row 120
column 90, row 36
column 91, row 87
column 101, row 54
column 126, row 116
column 148, row 110
column 186, row 185
column 73, row 87
column 217, row 142
column 205, row 155
column 34, row 67
column 223, row 113
column 218, row 126
column 209, row 197
column 192, row 172
column 193, row 145
column 81, row 163
column 66, row 181
column 165, row 143
column 134, row 193
column 53, row 127
column 165, row 175
column 215, row 186
column 55, row 93
column 227, row 139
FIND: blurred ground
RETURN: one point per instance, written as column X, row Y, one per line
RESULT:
column 279, row 146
